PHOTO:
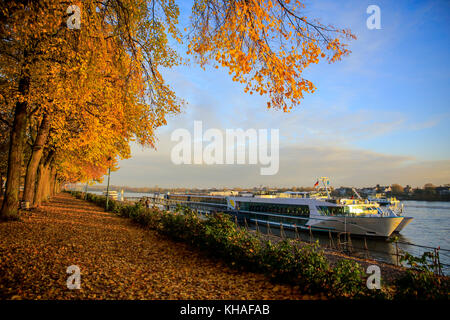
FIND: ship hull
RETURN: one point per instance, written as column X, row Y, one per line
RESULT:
column 381, row 227
column 362, row 226
column 404, row 223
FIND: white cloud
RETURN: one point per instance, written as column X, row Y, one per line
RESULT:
column 299, row 166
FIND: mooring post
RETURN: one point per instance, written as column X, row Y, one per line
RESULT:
column 245, row 223
column 282, row 231
column 436, row 270
column 268, row 228
column 350, row 243
column 366, row 248
column 297, row 236
column 331, row 239
column 310, row 234
column 257, row 227
column 396, row 252
column 439, row 261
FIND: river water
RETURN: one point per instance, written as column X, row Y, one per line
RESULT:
column 429, row 228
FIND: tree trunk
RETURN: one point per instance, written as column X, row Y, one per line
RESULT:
column 55, row 189
column 47, row 184
column 42, row 186
column 51, row 190
column 36, row 156
column 42, row 176
column 15, row 157
column 1, row 184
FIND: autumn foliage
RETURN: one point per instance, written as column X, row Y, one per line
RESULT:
column 73, row 99
column 266, row 45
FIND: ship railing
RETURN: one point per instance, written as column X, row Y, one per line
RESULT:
column 205, row 205
column 172, row 201
column 271, row 214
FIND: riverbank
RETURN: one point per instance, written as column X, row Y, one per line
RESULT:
column 117, row 260
column 424, row 197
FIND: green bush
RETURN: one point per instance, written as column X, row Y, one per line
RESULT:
column 224, row 238
column 422, row 285
column 312, row 267
column 76, row 194
column 347, row 278
column 280, row 261
column 419, row 281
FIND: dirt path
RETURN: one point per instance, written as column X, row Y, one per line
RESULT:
column 117, row 259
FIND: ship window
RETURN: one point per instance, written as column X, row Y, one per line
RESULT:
column 292, row 210
column 330, row 211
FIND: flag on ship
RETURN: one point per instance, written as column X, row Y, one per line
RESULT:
column 316, row 184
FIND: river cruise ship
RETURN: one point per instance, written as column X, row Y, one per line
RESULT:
column 112, row 194
column 358, row 218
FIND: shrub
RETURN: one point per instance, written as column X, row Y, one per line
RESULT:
column 419, row 281
column 225, row 239
column 422, row 285
column 280, row 261
column 312, row 267
column 347, row 279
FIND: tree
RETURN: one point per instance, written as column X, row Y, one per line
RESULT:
column 429, row 186
column 27, row 43
column 73, row 98
column 429, row 189
column 396, row 189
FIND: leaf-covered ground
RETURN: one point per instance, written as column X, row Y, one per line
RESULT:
column 118, row 260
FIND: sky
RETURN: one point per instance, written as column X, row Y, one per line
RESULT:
column 379, row 116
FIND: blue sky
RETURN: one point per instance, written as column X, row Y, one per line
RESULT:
column 379, row 116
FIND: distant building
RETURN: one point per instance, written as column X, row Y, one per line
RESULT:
column 368, row 191
column 343, row 191
column 384, row 189
column 443, row 191
column 224, row 193
column 408, row 190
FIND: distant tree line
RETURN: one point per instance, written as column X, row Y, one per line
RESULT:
column 429, row 192
column 193, row 190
